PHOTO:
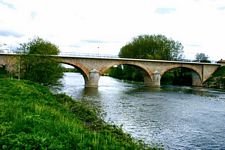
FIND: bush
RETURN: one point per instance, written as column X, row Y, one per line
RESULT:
column 36, row 65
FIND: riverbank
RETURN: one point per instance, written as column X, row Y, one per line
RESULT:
column 33, row 118
column 217, row 80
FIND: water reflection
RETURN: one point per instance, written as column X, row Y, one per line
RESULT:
column 90, row 91
column 175, row 117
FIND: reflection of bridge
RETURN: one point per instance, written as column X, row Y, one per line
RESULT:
column 93, row 68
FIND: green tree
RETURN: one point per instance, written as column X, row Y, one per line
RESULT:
column 156, row 47
column 152, row 47
column 201, row 57
column 36, row 65
column 126, row 72
column 177, row 76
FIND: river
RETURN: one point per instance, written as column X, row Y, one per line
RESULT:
column 170, row 117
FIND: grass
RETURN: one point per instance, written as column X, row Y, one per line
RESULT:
column 31, row 117
column 217, row 80
column 219, row 72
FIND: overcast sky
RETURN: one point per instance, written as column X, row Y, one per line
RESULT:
column 104, row 26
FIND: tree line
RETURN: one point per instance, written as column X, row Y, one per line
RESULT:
column 157, row 47
column 35, row 65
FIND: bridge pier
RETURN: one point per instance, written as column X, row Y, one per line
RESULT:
column 154, row 82
column 92, row 80
column 196, row 81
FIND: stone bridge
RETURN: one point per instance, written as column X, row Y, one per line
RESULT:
column 93, row 68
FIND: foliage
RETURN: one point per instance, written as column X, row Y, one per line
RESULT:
column 152, row 47
column 36, row 65
column 33, row 118
column 201, row 57
column 127, row 72
column 70, row 69
column 217, row 80
column 177, row 76
column 156, row 47
column 3, row 72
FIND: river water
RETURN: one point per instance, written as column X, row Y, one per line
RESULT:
column 169, row 117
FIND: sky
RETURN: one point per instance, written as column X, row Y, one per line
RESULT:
column 102, row 27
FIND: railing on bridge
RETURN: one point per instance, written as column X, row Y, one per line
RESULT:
column 88, row 55
column 95, row 55
column 71, row 54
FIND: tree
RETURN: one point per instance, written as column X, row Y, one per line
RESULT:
column 156, row 47
column 201, row 57
column 36, row 65
column 152, row 47
column 126, row 72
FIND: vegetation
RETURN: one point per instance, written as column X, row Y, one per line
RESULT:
column 178, row 76
column 126, row 72
column 3, row 72
column 35, row 65
column 156, row 47
column 70, row 70
column 152, row 47
column 217, row 80
column 202, row 57
column 33, row 118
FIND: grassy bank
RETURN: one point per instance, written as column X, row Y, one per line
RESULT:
column 33, row 118
column 217, row 80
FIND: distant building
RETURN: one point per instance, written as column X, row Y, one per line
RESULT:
column 222, row 62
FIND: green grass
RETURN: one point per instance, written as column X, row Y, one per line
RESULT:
column 217, row 80
column 219, row 72
column 31, row 117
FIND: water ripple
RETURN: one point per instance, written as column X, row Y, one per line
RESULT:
column 169, row 117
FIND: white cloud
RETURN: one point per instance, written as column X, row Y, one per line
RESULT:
column 165, row 10
column 68, row 23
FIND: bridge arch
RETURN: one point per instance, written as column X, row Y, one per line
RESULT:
column 195, row 74
column 146, row 73
column 193, row 68
column 83, row 70
column 81, row 67
column 139, row 66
